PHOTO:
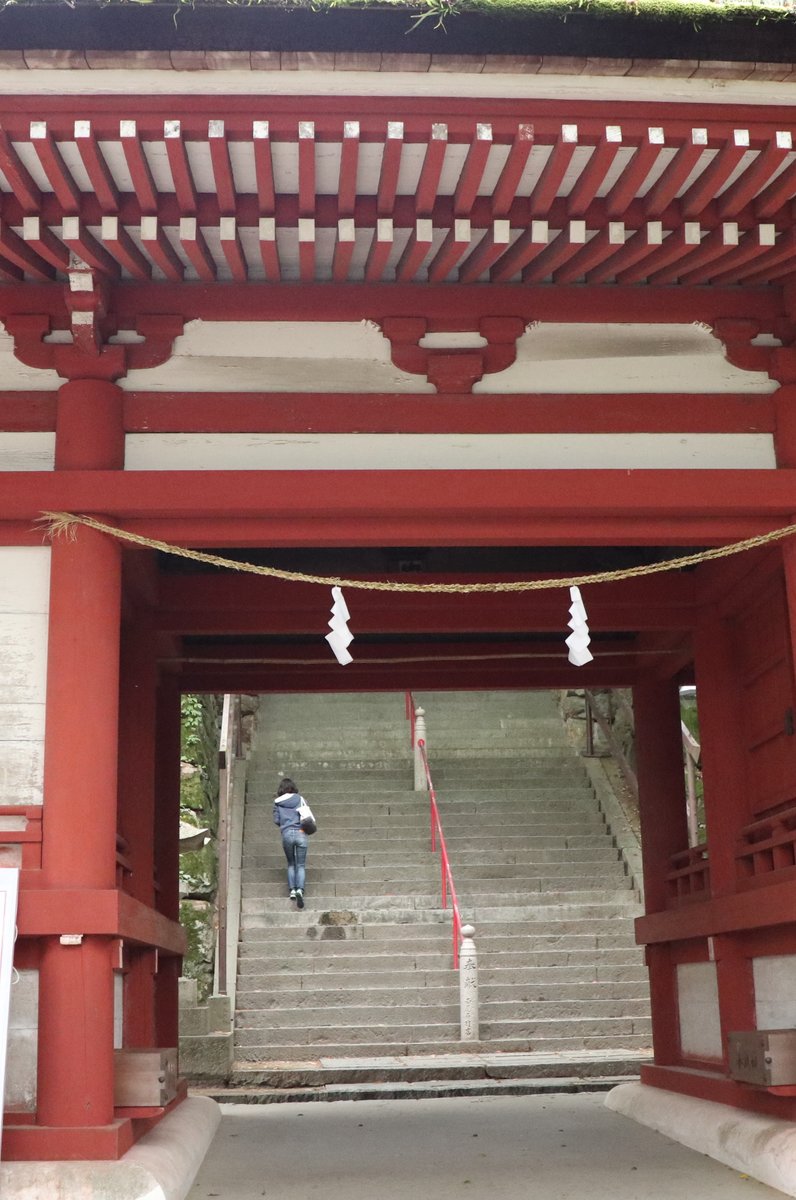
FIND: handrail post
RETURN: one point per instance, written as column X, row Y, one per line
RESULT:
column 225, row 764
column 589, row 726
column 468, row 986
column 420, row 736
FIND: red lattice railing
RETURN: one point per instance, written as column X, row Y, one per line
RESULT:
column 767, row 850
column 689, row 876
column 20, row 836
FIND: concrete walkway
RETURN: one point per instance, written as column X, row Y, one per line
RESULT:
column 543, row 1147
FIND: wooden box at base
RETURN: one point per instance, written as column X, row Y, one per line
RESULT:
column 145, row 1078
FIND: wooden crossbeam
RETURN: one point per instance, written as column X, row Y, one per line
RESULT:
column 222, row 167
column 196, row 249
column 473, row 170
column 494, row 243
column 349, row 161
column 344, row 246
column 137, row 164
column 553, row 172
column 635, row 173
column 54, row 167
column 560, row 250
column 527, row 247
column 160, row 249
column 756, row 175
column 593, row 174
column 75, row 235
column 97, row 168
column 513, row 168
column 380, row 250
column 415, row 251
column 452, row 250
column 600, row 247
column 428, row 183
column 263, row 167
column 118, row 242
column 661, row 194
column 390, row 168
column 182, row 177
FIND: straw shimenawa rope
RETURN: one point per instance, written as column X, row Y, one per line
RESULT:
column 59, row 524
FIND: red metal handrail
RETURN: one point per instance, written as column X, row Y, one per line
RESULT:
column 448, row 887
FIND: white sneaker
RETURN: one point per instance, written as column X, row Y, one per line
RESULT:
column 292, row 893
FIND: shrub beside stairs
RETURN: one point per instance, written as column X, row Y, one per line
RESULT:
column 356, row 996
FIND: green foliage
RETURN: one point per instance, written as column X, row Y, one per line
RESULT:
column 192, row 716
column 696, row 13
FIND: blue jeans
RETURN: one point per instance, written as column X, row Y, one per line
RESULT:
column 294, row 844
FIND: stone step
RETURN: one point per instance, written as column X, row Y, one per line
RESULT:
column 494, row 935
column 470, row 889
column 469, row 864
column 421, row 1090
column 516, row 1035
column 285, row 1052
column 416, row 1069
column 570, row 999
column 288, row 978
column 351, row 958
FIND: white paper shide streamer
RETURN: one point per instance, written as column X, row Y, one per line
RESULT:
column 578, row 640
column 341, row 636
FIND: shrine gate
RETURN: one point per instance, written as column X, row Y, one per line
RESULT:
column 468, row 322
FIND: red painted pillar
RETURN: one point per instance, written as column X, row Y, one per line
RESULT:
column 89, row 431
column 664, row 832
column 167, row 852
column 137, row 812
column 75, row 1058
column 661, row 784
column 723, row 757
column 79, row 848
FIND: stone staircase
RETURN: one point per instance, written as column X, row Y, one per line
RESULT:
column 358, row 990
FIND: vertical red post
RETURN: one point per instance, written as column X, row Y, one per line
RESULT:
column 137, row 812
column 75, row 1059
column 723, row 757
column 664, row 832
column 79, row 848
column 167, row 851
column 661, row 784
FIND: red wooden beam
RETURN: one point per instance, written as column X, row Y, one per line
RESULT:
column 344, row 246
column 783, row 251
column 306, row 246
column 182, row 177
column 560, row 250
column 349, row 159
column 494, row 243
column 160, row 249
column 435, row 496
column 661, row 194
column 779, row 192
column 506, row 187
column 85, row 245
column 135, row 156
column 263, row 167
column 455, row 246
column 96, row 167
column 193, row 243
column 714, row 177
column 675, row 247
column 456, row 308
column 473, row 170
column 526, row 248
column 756, row 175
column 54, row 167
column 44, row 242
column 603, row 245
column 428, row 183
column 306, row 168
column 755, row 242
column 635, row 173
column 118, row 242
column 269, row 249
column 593, row 174
column 554, row 170
column 390, row 168
column 222, row 167
column 380, row 250
column 18, row 175
column 698, row 262
column 297, row 412
column 415, row 251
column 20, row 254
column 232, row 248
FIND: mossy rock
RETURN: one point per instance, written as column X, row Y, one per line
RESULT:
column 199, row 873
column 197, row 918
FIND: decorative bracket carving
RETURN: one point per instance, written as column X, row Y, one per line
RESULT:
column 452, row 370
column 90, row 355
column 778, row 361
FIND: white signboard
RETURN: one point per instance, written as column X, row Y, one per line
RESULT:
column 9, row 888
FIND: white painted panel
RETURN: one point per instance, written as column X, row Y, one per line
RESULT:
column 24, row 604
column 445, row 452
column 698, row 1004
column 27, row 451
column 74, row 164
column 775, row 991
column 25, row 579
column 327, row 168
column 20, row 1083
column 118, row 1010
column 559, row 357
column 158, row 161
column 241, row 155
column 14, row 375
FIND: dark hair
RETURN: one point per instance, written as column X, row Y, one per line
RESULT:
column 287, row 785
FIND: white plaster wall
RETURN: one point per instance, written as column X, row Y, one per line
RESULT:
column 27, row 451
column 24, row 608
column 446, row 452
column 698, row 1005
column 20, row 1088
column 775, row 991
